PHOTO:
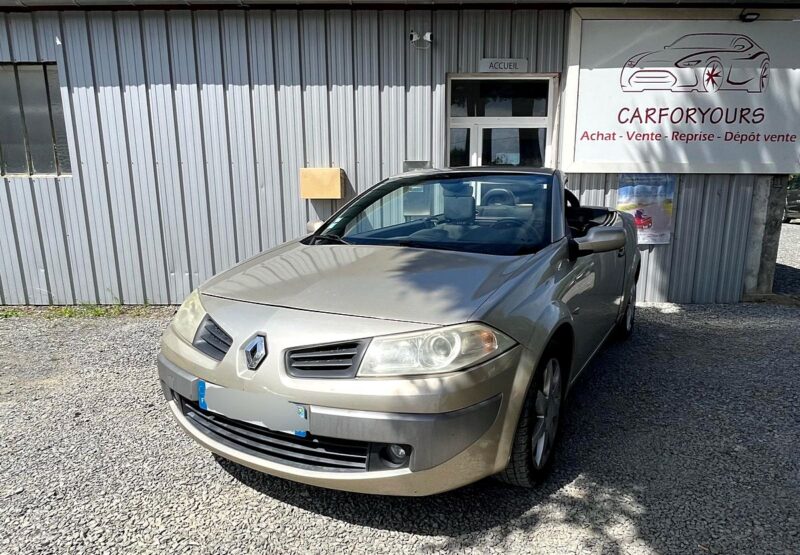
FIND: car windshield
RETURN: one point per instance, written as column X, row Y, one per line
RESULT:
column 503, row 214
column 709, row 41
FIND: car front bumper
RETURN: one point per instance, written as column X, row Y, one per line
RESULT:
column 448, row 449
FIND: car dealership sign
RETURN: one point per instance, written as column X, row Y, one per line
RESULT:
column 691, row 96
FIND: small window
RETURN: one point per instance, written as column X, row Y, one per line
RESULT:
column 499, row 98
column 33, row 136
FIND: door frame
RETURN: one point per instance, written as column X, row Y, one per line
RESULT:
column 476, row 124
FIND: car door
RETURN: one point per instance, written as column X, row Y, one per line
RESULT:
column 592, row 289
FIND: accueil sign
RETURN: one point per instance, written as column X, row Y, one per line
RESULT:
column 503, row 65
column 691, row 96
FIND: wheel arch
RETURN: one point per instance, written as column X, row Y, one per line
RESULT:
column 562, row 342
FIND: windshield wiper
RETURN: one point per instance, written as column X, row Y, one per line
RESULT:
column 330, row 237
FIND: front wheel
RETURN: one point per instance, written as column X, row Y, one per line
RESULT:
column 537, row 430
column 624, row 329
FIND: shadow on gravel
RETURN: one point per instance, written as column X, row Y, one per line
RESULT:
column 474, row 508
column 672, row 442
column 787, row 280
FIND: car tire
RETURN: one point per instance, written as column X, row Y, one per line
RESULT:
column 625, row 325
column 538, row 428
column 763, row 77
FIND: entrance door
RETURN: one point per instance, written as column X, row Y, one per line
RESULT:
column 501, row 121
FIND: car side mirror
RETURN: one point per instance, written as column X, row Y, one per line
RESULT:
column 314, row 225
column 598, row 239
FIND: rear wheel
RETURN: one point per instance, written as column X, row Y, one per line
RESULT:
column 712, row 76
column 538, row 427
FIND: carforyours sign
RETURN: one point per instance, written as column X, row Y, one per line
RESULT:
column 679, row 95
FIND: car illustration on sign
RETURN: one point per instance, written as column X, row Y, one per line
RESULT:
column 642, row 220
column 700, row 62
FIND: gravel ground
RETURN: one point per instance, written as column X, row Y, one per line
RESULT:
column 683, row 440
column 787, row 270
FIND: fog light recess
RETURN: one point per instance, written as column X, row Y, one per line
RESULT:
column 390, row 456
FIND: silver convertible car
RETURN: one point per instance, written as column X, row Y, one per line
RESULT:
column 424, row 337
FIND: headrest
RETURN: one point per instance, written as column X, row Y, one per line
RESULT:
column 457, row 190
column 459, row 209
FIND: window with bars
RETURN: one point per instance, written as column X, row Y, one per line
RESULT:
column 33, row 136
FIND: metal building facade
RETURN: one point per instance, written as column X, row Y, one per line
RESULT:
column 186, row 131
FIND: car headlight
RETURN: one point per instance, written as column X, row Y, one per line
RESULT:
column 189, row 316
column 432, row 351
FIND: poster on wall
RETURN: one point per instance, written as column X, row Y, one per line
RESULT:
column 648, row 197
column 684, row 96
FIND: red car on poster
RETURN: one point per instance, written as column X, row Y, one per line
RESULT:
column 642, row 220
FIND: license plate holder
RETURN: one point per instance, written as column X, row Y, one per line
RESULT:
column 259, row 408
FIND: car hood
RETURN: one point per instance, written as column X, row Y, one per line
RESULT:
column 396, row 283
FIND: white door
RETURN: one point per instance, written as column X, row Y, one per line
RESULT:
column 506, row 121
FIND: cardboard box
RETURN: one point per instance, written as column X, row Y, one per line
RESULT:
column 321, row 183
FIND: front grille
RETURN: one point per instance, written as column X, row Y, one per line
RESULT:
column 310, row 452
column 332, row 360
column 653, row 77
column 212, row 339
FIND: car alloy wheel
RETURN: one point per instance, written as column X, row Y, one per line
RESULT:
column 712, row 76
column 548, row 409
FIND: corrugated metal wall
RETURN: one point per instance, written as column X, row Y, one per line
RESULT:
column 704, row 262
column 187, row 130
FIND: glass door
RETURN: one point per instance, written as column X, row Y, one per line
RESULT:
column 500, row 122
column 512, row 146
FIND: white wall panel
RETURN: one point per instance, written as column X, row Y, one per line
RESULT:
column 53, row 240
column 240, row 133
column 12, row 276
column 444, row 60
column 265, row 127
column 342, row 95
column 212, row 129
column 418, row 90
column 393, row 51
column 367, row 99
column 164, row 136
column 28, row 236
column 314, row 78
column 116, row 167
column 286, row 44
column 140, row 152
column 90, row 168
column 193, row 160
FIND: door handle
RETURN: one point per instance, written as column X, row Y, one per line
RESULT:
column 621, row 252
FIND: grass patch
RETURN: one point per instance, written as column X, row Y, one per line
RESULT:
column 10, row 313
column 92, row 311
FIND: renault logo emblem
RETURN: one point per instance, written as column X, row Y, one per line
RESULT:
column 255, row 351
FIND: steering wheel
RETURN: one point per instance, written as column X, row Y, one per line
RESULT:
column 508, row 223
column 504, row 197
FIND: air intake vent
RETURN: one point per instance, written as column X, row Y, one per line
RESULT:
column 310, row 452
column 212, row 339
column 334, row 360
